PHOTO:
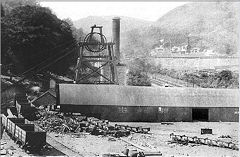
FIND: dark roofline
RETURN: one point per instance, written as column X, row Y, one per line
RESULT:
column 48, row 91
column 51, row 76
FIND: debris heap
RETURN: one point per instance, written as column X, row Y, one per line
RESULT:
column 205, row 141
column 60, row 123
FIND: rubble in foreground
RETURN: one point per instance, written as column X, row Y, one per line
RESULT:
column 60, row 123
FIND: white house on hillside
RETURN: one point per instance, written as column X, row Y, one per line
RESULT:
column 195, row 50
column 175, row 49
column 209, row 52
column 183, row 49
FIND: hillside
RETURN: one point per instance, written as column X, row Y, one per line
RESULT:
column 215, row 24
column 201, row 17
column 127, row 24
column 211, row 25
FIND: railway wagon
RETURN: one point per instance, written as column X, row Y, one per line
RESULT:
column 4, row 120
column 30, row 136
column 36, row 128
column 11, row 125
column 25, row 132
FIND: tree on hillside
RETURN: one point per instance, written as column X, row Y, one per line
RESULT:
column 2, row 11
column 77, row 33
column 137, row 78
column 137, row 75
column 9, row 5
column 32, row 34
column 140, row 64
column 225, row 75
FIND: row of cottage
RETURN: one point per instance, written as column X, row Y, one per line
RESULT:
column 180, row 50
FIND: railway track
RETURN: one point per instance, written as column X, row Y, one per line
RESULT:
column 163, row 82
column 61, row 147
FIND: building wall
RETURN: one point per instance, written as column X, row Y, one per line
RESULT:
column 128, row 103
column 230, row 114
column 151, row 113
column 79, row 94
column 194, row 63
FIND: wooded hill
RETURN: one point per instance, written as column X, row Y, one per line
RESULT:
column 32, row 34
column 32, row 38
column 127, row 24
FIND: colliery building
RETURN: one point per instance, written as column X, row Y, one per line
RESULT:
column 149, row 104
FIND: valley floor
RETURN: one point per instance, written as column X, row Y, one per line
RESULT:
column 157, row 140
column 88, row 145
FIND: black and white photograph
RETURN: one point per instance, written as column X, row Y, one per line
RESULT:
column 120, row 78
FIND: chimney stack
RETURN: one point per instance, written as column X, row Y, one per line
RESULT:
column 116, row 37
column 121, row 68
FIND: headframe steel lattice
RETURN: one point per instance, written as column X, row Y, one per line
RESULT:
column 96, row 63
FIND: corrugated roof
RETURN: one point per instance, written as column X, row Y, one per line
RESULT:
column 50, row 91
column 81, row 94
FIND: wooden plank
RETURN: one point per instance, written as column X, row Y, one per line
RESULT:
column 4, row 120
column 87, row 43
column 20, row 134
column 95, row 56
column 97, row 60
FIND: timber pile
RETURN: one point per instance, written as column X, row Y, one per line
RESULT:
column 134, row 129
column 57, row 122
column 183, row 139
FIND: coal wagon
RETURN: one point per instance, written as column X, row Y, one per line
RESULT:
column 11, row 125
column 30, row 137
column 24, row 132
column 4, row 120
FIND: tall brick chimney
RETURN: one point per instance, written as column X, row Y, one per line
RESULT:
column 116, row 37
column 121, row 68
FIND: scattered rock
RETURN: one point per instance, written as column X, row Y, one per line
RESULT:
column 3, row 152
column 49, row 147
column 167, row 123
column 11, row 148
column 224, row 136
column 111, row 139
column 10, row 152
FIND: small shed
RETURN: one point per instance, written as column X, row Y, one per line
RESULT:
column 47, row 100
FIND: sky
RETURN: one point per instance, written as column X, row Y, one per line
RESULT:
column 150, row 11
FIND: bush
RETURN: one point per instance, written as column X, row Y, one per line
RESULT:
column 223, row 79
column 137, row 78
